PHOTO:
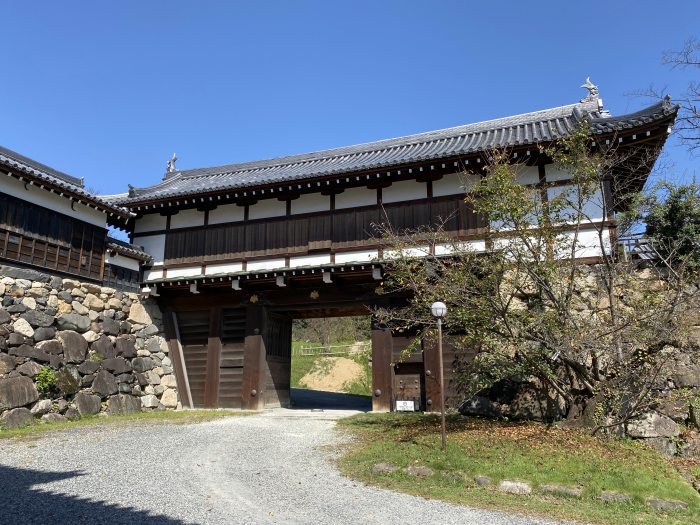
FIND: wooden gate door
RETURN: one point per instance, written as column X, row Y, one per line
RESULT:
column 231, row 361
column 409, row 387
column 194, row 333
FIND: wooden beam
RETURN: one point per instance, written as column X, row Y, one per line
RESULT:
column 172, row 333
column 211, row 384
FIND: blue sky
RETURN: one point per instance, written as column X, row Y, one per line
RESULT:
column 109, row 90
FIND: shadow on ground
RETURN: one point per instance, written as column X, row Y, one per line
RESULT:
column 302, row 398
column 24, row 502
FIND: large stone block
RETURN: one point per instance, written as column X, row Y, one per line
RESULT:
column 74, row 346
column 169, row 398
column 125, row 347
column 142, row 364
column 41, row 407
column 139, row 315
column 653, row 425
column 74, row 322
column 29, row 369
column 105, row 384
column 110, row 326
column 116, row 365
column 44, row 333
column 38, row 319
column 149, row 401
column 50, row 347
column 104, row 347
column 35, row 354
column 16, row 418
column 17, row 392
column 93, row 302
column 7, row 363
column 21, row 326
column 123, row 404
column 68, row 380
column 88, row 404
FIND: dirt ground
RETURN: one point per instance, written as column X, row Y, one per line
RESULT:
column 332, row 374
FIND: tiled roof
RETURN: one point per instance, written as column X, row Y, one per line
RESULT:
column 67, row 183
column 128, row 250
column 529, row 128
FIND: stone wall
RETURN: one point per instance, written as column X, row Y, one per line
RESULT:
column 104, row 348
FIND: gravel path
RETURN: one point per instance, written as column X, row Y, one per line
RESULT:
column 271, row 468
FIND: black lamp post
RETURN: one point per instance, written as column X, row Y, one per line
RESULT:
column 439, row 310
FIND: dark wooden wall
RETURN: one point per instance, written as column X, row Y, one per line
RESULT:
column 298, row 235
column 39, row 236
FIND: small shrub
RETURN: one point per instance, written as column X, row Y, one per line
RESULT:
column 46, row 382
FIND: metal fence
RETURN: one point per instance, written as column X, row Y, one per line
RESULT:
column 331, row 350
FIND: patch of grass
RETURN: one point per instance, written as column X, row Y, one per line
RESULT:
column 527, row 452
column 179, row 417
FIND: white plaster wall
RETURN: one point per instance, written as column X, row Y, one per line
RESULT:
column 153, row 245
column 311, row 202
column 214, row 269
column 353, row 197
column 226, row 213
column 405, row 190
column 266, row 264
column 309, row 260
column 150, row 223
column 454, row 184
column 153, row 275
column 419, row 251
column 588, row 244
column 555, row 174
column 267, row 208
column 120, row 260
column 46, row 199
column 186, row 218
column 468, row 246
column 190, row 271
column 593, row 208
column 528, row 175
column 358, row 256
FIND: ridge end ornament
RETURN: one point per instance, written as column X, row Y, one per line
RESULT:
column 593, row 91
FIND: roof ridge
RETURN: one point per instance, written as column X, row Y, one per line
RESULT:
column 299, row 158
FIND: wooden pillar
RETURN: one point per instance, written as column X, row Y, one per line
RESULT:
column 432, row 378
column 381, row 370
column 252, row 391
column 211, row 385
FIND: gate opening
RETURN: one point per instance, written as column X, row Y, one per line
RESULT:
column 331, row 364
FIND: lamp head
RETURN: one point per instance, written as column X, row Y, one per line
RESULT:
column 438, row 310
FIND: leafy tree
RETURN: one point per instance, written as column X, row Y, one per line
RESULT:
column 592, row 336
column 672, row 218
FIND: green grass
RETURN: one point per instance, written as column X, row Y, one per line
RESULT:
column 528, row 452
column 179, row 417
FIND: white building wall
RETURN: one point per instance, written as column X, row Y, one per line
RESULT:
column 153, row 245
column 190, row 271
column 187, row 218
column 528, row 175
column 266, row 264
column 267, row 208
column 454, row 184
column 354, row 197
column 405, row 190
column 214, row 269
column 311, row 202
column 120, row 260
column 309, row 260
column 356, row 256
column 150, row 223
column 592, row 210
column 46, row 199
column 226, row 213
